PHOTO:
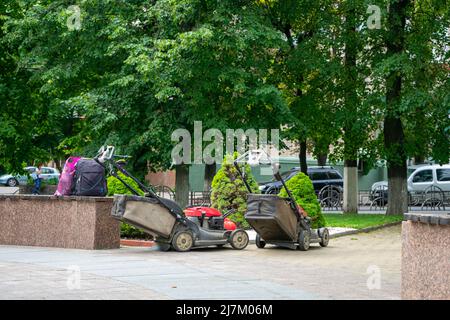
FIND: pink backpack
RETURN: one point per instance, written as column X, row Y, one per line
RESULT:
column 66, row 177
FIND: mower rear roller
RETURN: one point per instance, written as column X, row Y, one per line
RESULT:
column 238, row 239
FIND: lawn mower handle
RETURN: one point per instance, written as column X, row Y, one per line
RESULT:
column 229, row 212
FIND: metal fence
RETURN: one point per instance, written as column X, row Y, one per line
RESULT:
column 331, row 199
column 431, row 199
column 195, row 198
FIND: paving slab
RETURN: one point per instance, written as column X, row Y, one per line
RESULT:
column 362, row 266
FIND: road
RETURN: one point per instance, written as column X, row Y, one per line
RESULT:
column 363, row 266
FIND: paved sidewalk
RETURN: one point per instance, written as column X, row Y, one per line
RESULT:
column 336, row 272
column 332, row 230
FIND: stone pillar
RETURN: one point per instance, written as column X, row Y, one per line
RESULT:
column 426, row 256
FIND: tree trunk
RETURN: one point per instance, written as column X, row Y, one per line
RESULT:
column 393, row 127
column 302, row 157
column 397, row 168
column 350, row 186
column 322, row 159
column 210, row 172
column 58, row 164
column 351, row 132
column 182, row 185
column 397, row 190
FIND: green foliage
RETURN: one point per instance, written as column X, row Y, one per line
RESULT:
column 138, row 70
column 359, row 221
column 229, row 191
column 22, row 124
column 117, row 187
column 302, row 190
column 130, row 232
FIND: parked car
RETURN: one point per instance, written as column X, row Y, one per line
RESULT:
column 320, row 177
column 420, row 178
column 379, row 190
column 22, row 179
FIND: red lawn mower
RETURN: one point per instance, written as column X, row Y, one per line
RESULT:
column 210, row 218
column 164, row 219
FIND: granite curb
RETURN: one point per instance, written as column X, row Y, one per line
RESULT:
column 429, row 218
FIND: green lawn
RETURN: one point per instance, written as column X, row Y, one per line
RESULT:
column 359, row 221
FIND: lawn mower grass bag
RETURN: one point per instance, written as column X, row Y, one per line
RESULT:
column 271, row 217
column 145, row 213
column 89, row 179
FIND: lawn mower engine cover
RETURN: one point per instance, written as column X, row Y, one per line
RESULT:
column 213, row 216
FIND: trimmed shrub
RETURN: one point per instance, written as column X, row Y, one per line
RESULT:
column 117, row 187
column 229, row 191
column 302, row 190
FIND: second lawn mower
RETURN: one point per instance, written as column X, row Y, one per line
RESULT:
column 170, row 226
column 276, row 220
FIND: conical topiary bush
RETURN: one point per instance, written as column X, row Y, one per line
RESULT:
column 302, row 190
column 229, row 191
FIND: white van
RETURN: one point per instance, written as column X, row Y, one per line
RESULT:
column 430, row 175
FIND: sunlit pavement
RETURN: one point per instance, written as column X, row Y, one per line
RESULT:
column 362, row 266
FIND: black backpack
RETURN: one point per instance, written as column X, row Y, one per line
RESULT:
column 89, row 179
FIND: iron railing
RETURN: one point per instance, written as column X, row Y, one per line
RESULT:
column 431, row 199
column 331, row 198
column 201, row 199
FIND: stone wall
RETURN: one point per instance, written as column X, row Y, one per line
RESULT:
column 426, row 256
column 65, row 222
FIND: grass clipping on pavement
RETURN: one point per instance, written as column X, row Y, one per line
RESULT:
column 360, row 221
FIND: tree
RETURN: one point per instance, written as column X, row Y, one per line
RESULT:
column 215, row 62
column 323, row 83
column 23, row 128
column 394, row 137
column 136, row 71
column 411, row 46
column 299, row 72
column 229, row 191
